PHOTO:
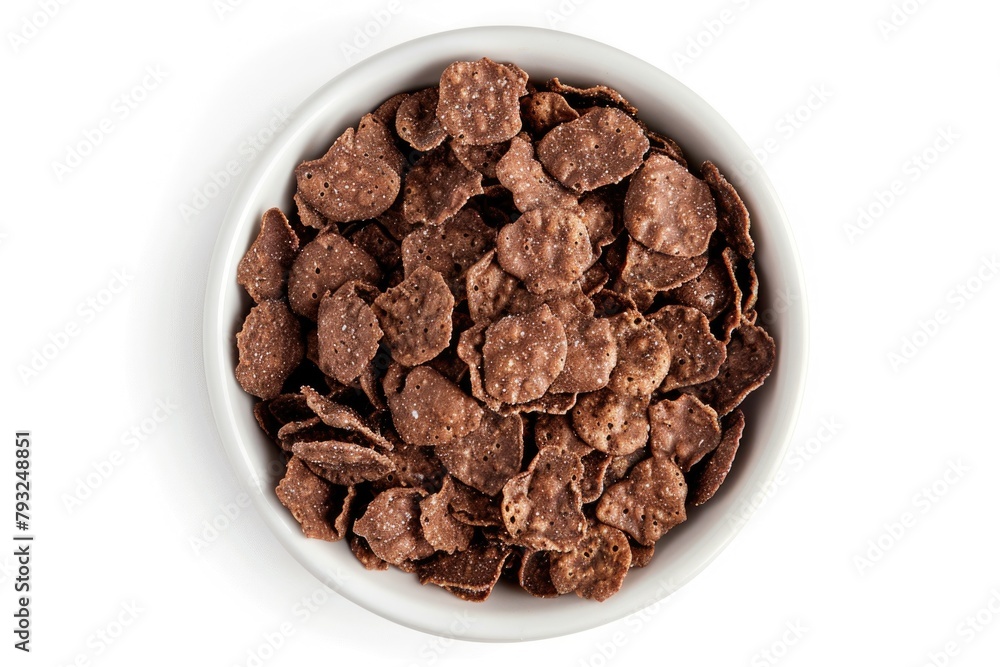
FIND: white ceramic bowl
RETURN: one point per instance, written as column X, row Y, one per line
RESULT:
column 510, row 615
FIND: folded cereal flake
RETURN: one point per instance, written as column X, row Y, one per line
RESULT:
column 642, row 555
column 487, row 457
column 524, row 176
column 441, row 529
column 391, row 525
column 669, row 210
column 544, row 110
column 305, row 430
column 262, row 270
column 601, row 147
column 712, row 291
column 734, row 312
column 643, row 355
column 345, row 185
column 437, row 187
column 599, row 95
column 416, row 316
column 373, row 139
column 595, row 468
column 450, row 248
column 721, row 460
column 342, row 417
column 599, row 218
column 475, row 570
column 695, row 354
column 416, row 120
column 308, row 215
column 541, row 506
column 654, row 270
column 326, row 263
column 648, row 502
column 343, row 463
column 488, row 288
column 522, row 355
column 479, row 101
column 483, row 159
column 683, row 430
column 591, row 352
column 750, row 357
column 430, row 410
column 375, row 241
column 734, row 219
column 595, row 569
column 474, row 508
column 533, row 574
column 270, row 347
column 613, row 423
column 348, row 334
column 313, row 502
column 386, row 112
column 547, row 248
column 365, row 555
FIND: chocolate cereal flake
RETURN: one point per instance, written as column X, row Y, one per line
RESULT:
column 270, row 347
column 262, row 271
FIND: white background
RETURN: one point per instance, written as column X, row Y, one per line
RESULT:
column 827, row 554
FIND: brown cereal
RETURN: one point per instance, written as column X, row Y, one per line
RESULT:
column 547, row 248
column 534, row 576
column 599, row 95
column 270, row 347
column 343, row 463
column 450, row 248
column 474, row 508
column 342, row 417
column 595, row 569
column 386, row 112
column 721, row 460
column 348, row 334
column 648, row 502
column 263, row 269
column 544, row 110
column 613, row 423
column 437, row 187
column 750, row 356
column 712, row 291
column 373, row 139
column 326, row 263
column 416, row 120
column 479, row 101
column 683, row 430
column 309, row 216
column 430, row 409
column 541, row 506
column 375, row 241
column 483, row 159
column 591, row 352
column 522, row 355
column 473, row 571
column 695, row 354
column 416, row 316
column 570, row 278
column 654, row 270
column 524, row 176
column 313, row 502
column 346, row 185
column 734, row 219
column 669, row 210
column 391, row 525
column 441, row 529
column 487, row 457
column 365, row 555
column 643, row 355
column 488, row 288
column 601, row 147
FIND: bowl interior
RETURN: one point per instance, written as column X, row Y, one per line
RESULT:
column 669, row 107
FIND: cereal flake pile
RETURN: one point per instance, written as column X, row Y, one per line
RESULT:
column 505, row 336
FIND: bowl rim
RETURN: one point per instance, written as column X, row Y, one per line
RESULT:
column 217, row 341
